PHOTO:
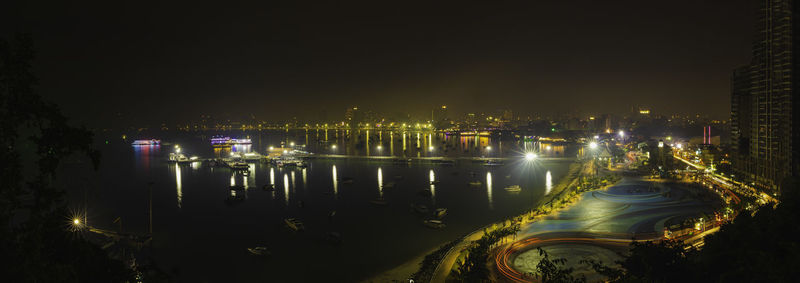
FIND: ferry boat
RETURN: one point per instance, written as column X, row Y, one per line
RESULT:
column 294, row 224
column 433, row 223
column 220, row 141
column 146, row 142
column 514, row 188
column 181, row 158
column 475, row 183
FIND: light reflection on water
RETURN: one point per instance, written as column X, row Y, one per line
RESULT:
column 178, row 186
column 257, row 219
column 489, row 189
column 335, row 181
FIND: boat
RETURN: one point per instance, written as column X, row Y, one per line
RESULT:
column 378, row 201
column 440, row 212
column 420, row 208
column 388, row 185
column 294, row 224
column 146, row 142
column 220, row 141
column 180, row 158
column 514, row 188
column 493, row 163
column 236, row 165
column 346, row 180
column 433, row 223
column 261, row 251
column 475, row 183
column 268, row 187
column 434, row 182
column 237, row 188
column 252, row 156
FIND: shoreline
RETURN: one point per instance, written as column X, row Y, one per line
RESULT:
column 404, row 271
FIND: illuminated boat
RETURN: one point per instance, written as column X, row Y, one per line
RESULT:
column 220, row 141
column 514, row 188
column 147, row 142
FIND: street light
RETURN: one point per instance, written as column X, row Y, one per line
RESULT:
column 530, row 156
column 333, row 146
column 488, row 147
column 621, row 133
column 592, row 145
column 76, row 222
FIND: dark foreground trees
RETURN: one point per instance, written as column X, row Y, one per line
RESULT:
column 35, row 244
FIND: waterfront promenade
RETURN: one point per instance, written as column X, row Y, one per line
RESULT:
column 601, row 225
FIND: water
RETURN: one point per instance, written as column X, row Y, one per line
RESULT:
column 201, row 231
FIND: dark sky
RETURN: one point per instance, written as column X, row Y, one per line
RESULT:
column 168, row 61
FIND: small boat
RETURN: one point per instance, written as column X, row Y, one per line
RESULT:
column 346, row 180
column 493, row 163
column 514, row 188
column 440, row 212
column 398, row 177
column 419, row 208
column 433, row 223
column 260, row 251
column 237, row 188
column 378, row 201
column 388, row 185
column 434, row 182
column 475, row 183
column 268, row 187
column 240, row 166
column 294, row 224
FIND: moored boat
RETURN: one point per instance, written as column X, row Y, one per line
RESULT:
column 433, row 223
column 294, row 224
column 260, row 251
column 514, row 188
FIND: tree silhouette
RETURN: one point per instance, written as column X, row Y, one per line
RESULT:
column 35, row 246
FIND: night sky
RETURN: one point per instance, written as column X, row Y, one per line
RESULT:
column 165, row 61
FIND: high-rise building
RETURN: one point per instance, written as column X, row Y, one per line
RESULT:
column 762, row 98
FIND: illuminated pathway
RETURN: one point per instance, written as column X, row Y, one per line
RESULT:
column 599, row 226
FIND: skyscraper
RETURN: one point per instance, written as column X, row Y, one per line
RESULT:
column 762, row 98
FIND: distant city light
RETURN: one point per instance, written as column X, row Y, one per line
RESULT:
column 621, row 133
column 430, row 148
column 271, row 148
column 380, row 147
column 333, row 146
column 592, row 145
column 661, row 144
column 530, row 156
column 549, row 147
column 291, row 144
column 488, row 147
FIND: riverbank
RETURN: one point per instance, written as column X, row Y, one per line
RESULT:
column 452, row 252
column 567, row 193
